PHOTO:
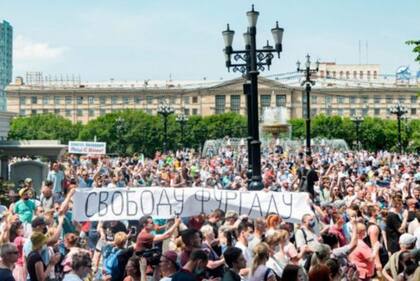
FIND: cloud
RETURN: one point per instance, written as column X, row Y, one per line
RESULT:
column 26, row 49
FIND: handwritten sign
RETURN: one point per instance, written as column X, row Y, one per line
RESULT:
column 102, row 204
column 83, row 147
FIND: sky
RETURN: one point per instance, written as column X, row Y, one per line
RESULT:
column 138, row 39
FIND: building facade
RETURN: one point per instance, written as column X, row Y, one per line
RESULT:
column 6, row 60
column 84, row 102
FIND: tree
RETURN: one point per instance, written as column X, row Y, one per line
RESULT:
column 416, row 48
column 44, row 127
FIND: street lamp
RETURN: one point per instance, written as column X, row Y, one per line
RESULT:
column 399, row 110
column 165, row 110
column 182, row 120
column 357, row 120
column 308, row 86
column 249, row 62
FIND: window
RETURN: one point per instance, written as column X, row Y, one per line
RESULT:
column 365, row 99
column 377, row 111
column 91, row 112
column 341, row 74
column 352, row 112
column 361, row 74
column 220, row 103
column 33, row 112
column 328, row 111
column 137, row 99
column 114, row 100
column 45, row 111
column 22, row 100
column 194, row 111
column 328, row 99
column 265, row 101
column 173, row 100
column 235, row 103
column 69, row 100
column 79, row 100
column 280, row 100
column 340, row 99
column 322, row 73
column 334, row 74
column 57, row 111
column 401, row 99
column 46, row 100
column 22, row 112
column 365, row 111
column 34, row 100
column 79, row 112
column 149, row 99
column 57, row 100
column 368, row 75
column 68, row 112
column 375, row 74
column 126, row 100
column 186, row 100
column 347, row 74
column 313, row 111
column 377, row 99
column 314, row 99
column 102, row 111
column 354, row 74
column 413, row 99
column 195, row 99
column 91, row 99
column 413, row 111
column 102, row 100
column 187, row 111
column 389, row 99
column 340, row 111
column 149, row 110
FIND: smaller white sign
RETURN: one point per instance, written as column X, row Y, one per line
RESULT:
column 84, row 147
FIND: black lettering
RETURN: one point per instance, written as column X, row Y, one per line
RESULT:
column 150, row 201
column 87, row 204
column 165, row 202
column 131, row 203
column 230, row 196
column 201, row 198
column 103, row 206
column 288, row 204
column 113, row 203
column 256, row 203
column 180, row 200
column 218, row 199
column 272, row 201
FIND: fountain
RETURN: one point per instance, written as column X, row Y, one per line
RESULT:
column 274, row 121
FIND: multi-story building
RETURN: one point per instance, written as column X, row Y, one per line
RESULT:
column 84, row 102
column 6, row 55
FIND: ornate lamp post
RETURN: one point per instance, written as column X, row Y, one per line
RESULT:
column 165, row 110
column 308, row 86
column 399, row 110
column 249, row 62
column 357, row 120
column 182, row 120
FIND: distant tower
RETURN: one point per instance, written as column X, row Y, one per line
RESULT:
column 6, row 56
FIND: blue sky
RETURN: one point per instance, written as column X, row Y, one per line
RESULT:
column 138, row 39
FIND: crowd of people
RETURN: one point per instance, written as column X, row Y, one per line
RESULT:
column 364, row 224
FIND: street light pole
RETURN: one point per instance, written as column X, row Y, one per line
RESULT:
column 165, row 110
column 249, row 62
column 357, row 120
column 182, row 120
column 308, row 87
column 399, row 110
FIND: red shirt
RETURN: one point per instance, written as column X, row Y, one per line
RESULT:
column 360, row 257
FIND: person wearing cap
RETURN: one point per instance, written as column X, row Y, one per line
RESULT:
column 37, row 269
column 407, row 243
column 168, row 265
column 25, row 207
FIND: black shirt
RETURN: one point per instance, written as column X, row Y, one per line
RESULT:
column 32, row 259
column 184, row 275
column 393, row 223
column 6, row 275
column 307, row 180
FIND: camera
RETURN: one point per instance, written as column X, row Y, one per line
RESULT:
column 152, row 256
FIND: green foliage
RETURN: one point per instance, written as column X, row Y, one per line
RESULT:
column 130, row 131
column 43, row 127
column 416, row 48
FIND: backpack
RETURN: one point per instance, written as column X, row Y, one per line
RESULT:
column 110, row 260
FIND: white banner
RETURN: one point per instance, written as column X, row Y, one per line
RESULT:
column 102, row 204
column 84, row 147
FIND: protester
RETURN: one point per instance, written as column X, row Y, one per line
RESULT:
column 9, row 256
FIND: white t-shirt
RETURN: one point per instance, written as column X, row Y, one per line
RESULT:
column 245, row 251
